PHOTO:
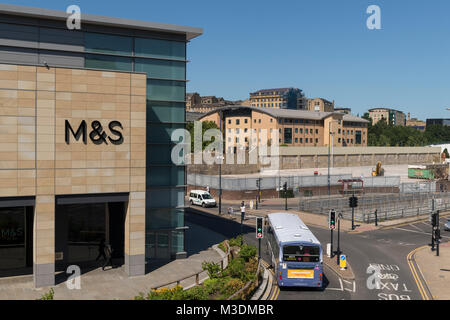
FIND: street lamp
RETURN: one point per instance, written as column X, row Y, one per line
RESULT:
column 220, row 159
column 329, row 151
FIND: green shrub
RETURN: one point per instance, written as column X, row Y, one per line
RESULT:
column 236, row 242
column 247, row 252
column 214, row 270
column 222, row 246
column 175, row 293
column 232, row 286
column 49, row 295
column 196, row 293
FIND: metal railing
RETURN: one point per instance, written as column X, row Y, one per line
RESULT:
column 388, row 206
column 223, row 263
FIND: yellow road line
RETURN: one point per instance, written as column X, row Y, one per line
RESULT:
column 416, row 277
column 275, row 293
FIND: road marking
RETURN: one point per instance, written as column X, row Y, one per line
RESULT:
column 337, row 289
column 422, row 232
column 419, row 284
column 413, row 225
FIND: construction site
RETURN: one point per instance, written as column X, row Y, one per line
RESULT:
column 390, row 190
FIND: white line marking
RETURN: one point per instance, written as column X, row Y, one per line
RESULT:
column 412, row 225
column 422, row 232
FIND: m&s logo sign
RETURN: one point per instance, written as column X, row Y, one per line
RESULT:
column 97, row 135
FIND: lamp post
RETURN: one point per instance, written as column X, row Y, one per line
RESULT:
column 220, row 159
column 329, row 151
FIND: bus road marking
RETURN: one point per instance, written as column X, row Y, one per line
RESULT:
column 337, row 289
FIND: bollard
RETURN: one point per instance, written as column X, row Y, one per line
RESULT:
column 197, row 279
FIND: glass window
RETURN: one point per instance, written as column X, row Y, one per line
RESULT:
column 106, row 43
column 161, row 133
column 177, row 242
column 161, row 69
column 165, row 198
column 165, row 90
column 165, row 176
column 301, row 253
column 159, row 154
column 287, row 135
column 95, row 61
column 165, row 219
column 159, row 111
column 12, row 238
column 156, row 48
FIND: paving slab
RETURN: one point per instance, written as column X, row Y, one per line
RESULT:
column 112, row 283
column 435, row 270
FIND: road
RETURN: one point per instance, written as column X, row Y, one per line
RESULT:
column 386, row 249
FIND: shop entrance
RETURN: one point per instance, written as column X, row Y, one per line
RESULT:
column 16, row 240
column 80, row 228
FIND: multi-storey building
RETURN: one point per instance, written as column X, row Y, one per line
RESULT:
column 85, row 143
column 343, row 110
column 244, row 127
column 192, row 100
column 392, row 116
column 416, row 123
column 283, row 98
column 320, row 104
column 442, row 122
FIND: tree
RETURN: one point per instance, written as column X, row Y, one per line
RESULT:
column 206, row 125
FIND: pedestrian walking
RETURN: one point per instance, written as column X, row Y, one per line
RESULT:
column 207, row 189
column 108, row 254
column 242, row 212
column 101, row 250
column 230, row 210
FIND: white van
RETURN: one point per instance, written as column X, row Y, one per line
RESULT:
column 201, row 198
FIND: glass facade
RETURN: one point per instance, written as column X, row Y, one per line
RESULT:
column 12, row 238
column 164, row 62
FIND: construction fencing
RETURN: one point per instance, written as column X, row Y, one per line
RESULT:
column 388, row 206
column 274, row 182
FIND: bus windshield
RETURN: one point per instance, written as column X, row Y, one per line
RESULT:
column 299, row 253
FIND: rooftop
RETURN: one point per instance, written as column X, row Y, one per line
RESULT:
column 270, row 91
column 39, row 13
column 289, row 113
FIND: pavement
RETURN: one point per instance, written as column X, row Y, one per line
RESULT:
column 112, row 284
column 435, row 270
column 278, row 205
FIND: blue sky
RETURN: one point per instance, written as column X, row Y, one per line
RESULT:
column 320, row 46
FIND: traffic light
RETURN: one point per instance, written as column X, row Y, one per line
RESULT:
column 332, row 220
column 257, row 183
column 435, row 219
column 353, row 202
column 285, row 186
column 259, row 228
column 437, row 235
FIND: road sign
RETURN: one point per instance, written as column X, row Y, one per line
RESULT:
column 343, row 262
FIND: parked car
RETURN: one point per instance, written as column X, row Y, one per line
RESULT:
column 201, row 198
column 447, row 225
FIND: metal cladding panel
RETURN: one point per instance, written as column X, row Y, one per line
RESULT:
column 61, row 59
column 18, row 56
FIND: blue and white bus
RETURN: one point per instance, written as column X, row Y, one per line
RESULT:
column 295, row 252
